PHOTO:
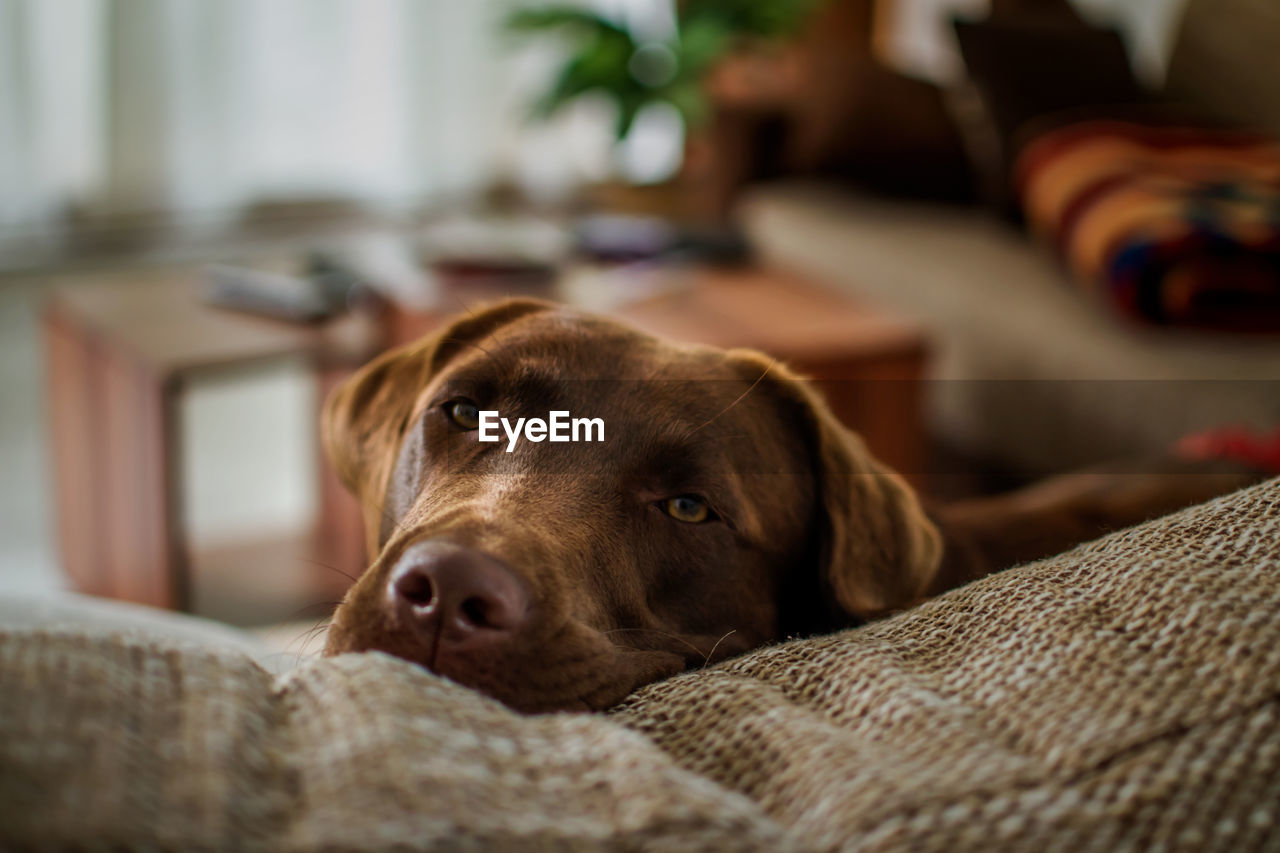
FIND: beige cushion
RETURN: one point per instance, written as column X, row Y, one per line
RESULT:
column 1031, row 373
column 92, row 615
column 1126, row 694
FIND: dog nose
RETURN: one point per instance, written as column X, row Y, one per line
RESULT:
column 464, row 597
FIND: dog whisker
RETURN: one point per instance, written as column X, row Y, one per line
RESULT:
column 712, row 653
column 666, row 634
column 307, row 635
column 741, row 396
column 331, row 568
column 498, row 358
column 465, row 307
column 471, row 344
column 301, row 611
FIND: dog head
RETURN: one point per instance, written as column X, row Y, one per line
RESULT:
column 725, row 508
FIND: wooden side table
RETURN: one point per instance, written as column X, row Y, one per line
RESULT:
column 120, row 352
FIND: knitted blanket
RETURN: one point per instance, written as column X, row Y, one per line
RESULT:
column 1123, row 695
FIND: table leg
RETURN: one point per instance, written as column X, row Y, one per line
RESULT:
column 116, row 457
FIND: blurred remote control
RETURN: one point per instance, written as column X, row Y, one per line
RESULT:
column 283, row 297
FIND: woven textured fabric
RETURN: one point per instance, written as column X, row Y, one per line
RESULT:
column 1126, row 694
column 117, row 742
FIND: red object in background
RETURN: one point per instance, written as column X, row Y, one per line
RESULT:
column 1260, row 451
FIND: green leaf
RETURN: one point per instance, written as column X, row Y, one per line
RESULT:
column 690, row 100
column 601, row 64
column 570, row 83
column 575, row 78
column 541, row 18
column 760, row 18
column 603, row 50
column 630, row 102
column 607, row 56
column 701, row 44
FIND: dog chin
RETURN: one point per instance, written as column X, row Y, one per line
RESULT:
column 589, row 676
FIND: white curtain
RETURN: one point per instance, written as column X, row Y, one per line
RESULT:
column 198, row 107
column 49, row 108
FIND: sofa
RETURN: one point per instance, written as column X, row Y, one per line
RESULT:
column 1033, row 375
column 1124, row 695
column 1029, row 375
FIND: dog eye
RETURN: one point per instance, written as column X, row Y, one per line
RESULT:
column 690, row 509
column 463, row 412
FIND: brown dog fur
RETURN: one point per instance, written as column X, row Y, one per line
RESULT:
column 811, row 534
column 812, row 529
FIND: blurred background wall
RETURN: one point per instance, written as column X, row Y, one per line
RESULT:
column 198, row 109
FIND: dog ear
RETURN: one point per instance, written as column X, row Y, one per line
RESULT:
column 365, row 418
column 879, row 551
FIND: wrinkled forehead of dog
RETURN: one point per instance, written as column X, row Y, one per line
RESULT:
column 695, row 408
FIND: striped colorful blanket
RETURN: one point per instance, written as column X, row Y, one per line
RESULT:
column 1172, row 225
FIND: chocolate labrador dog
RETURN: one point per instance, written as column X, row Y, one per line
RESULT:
column 711, row 504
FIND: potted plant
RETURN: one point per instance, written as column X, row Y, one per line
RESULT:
column 633, row 71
